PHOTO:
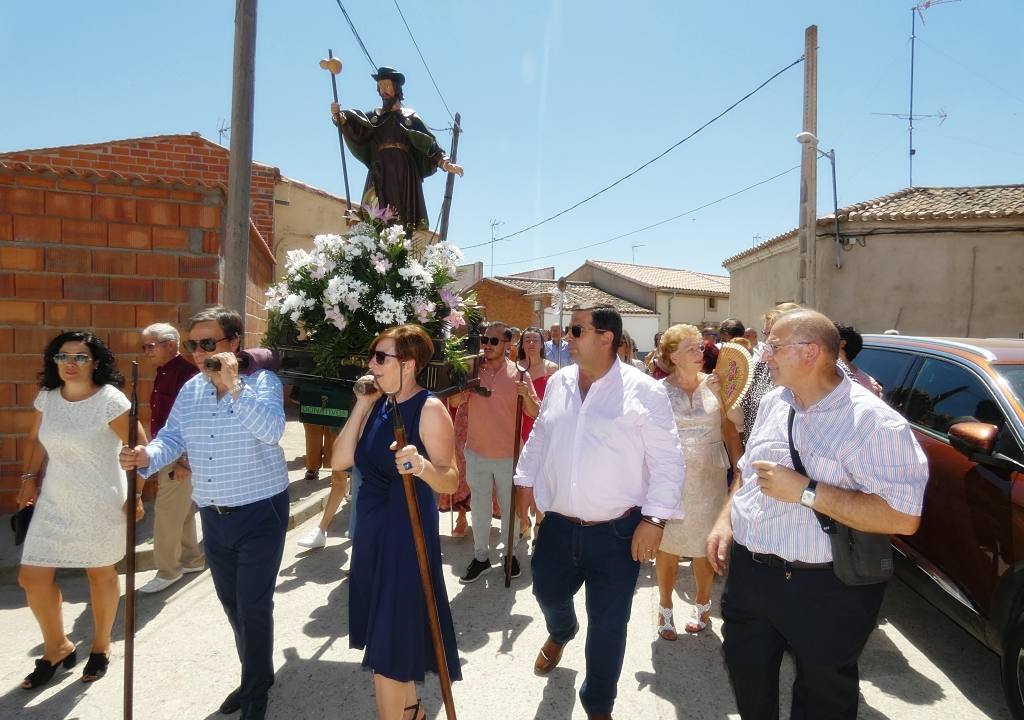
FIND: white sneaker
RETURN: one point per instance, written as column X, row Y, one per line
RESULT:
column 196, row 569
column 158, row 583
column 317, row 538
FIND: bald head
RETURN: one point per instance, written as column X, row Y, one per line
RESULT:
column 811, row 327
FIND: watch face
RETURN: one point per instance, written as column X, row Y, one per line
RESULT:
column 807, row 498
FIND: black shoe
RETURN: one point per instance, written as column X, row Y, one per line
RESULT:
column 44, row 670
column 475, row 570
column 256, row 710
column 231, row 703
column 516, row 570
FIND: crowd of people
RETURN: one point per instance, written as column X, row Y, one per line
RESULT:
column 625, row 460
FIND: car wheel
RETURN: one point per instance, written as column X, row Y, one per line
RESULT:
column 1013, row 670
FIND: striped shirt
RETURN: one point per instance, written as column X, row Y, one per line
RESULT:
column 849, row 439
column 232, row 444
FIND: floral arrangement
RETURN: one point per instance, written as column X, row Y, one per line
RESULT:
column 334, row 300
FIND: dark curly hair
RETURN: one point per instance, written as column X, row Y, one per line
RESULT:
column 106, row 372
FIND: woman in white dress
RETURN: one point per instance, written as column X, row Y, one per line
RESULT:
column 699, row 420
column 80, row 499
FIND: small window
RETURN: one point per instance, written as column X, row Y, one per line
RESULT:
column 888, row 367
column 944, row 394
column 712, row 303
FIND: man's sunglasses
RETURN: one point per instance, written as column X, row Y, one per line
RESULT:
column 380, row 357
column 491, row 340
column 77, row 358
column 577, row 330
column 207, row 344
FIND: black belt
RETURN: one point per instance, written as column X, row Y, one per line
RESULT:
column 592, row 523
column 222, row 510
column 779, row 562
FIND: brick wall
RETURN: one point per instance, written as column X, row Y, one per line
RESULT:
column 506, row 304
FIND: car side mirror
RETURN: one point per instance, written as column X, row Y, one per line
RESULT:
column 970, row 438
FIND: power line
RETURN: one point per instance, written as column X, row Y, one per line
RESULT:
column 417, row 45
column 356, row 33
column 652, row 160
column 653, row 225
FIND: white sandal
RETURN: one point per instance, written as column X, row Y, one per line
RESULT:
column 667, row 630
column 697, row 622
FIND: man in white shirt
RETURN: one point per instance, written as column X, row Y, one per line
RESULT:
column 604, row 465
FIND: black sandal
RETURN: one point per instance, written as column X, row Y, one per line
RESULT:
column 416, row 710
column 45, row 670
column 96, row 667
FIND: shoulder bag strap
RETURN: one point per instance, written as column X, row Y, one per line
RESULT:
column 828, row 525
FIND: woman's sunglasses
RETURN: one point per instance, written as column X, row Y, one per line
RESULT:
column 207, row 344
column 380, row 357
column 77, row 358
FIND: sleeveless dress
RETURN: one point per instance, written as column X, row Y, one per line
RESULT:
column 699, row 423
column 387, row 615
column 78, row 521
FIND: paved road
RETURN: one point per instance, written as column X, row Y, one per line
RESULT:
column 917, row 665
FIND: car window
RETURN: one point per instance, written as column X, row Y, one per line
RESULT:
column 944, row 393
column 886, row 366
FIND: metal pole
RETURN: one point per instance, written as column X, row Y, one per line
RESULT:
column 449, row 186
column 235, row 265
column 808, row 171
column 831, row 154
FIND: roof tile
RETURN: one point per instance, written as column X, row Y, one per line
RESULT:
column 577, row 293
column 668, row 278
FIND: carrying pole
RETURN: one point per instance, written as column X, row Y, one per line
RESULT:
column 129, row 575
column 449, row 187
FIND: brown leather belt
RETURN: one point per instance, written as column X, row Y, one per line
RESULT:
column 591, row 523
column 393, row 146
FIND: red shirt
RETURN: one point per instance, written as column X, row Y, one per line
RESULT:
column 169, row 379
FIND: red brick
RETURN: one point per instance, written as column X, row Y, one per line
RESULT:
column 75, row 184
column 43, row 287
column 201, row 216
column 68, row 260
column 157, row 265
column 84, row 232
column 68, row 315
column 24, row 395
column 21, row 420
column 199, row 266
column 7, row 395
column 186, row 195
column 149, row 314
column 166, row 238
column 69, row 205
column 6, row 340
column 6, row 284
column 126, row 342
column 110, row 315
column 32, row 340
column 6, row 228
column 15, row 257
column 86, row 287
column 172, row 291
column 6, row 177
column 137, row 289
column 151, row 212
column 19, row 368
column 20, row 312
column 152, row 192
column 113, row 262
column 116, row 209
column 113, row 189
column 22, row 201
column 33, row 228
column 36, row 181
column 211, row 242
column 130, row 236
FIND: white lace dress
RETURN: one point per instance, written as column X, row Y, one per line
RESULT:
column 78, row 521
column 699, row 423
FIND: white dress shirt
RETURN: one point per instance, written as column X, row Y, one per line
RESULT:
column 594, row 459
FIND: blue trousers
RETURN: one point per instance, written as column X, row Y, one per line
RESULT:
column 568, row 556
column 243, row 550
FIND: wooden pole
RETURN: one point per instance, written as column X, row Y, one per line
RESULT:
column 422, row 560
column 517, row 443
column 449, row 186
column 341, row 138
column 809, row 173
column 129, row 574
column 235, row 266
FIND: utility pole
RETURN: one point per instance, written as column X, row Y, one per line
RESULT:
column 807, row 269
column 235, row 258
column 449, row 186
column 495, row 224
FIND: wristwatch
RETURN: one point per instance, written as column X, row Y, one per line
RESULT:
column 808, row 495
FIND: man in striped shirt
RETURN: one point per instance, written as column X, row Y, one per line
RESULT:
column 865, row 470
column 230, row 428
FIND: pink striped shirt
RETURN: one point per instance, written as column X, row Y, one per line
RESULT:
column 850, row 439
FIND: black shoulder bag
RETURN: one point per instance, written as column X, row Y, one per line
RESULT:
column 858, row 558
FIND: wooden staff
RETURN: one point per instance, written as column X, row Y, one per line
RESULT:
column 517, row 443
column 421, row 559
column 333, row 65
column 129, row 574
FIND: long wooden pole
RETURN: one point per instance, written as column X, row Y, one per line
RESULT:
column 129, row 574
column 426, row 580
column 449, row 187
column 517, row 442
column 809, row 174
column 341, row 138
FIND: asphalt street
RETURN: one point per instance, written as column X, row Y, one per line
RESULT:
column 917, row 664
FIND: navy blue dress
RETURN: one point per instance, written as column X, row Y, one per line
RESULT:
column 387, row 615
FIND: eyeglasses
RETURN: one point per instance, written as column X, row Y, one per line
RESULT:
column 207, row 344
column 380, row 357
column 491, row 340
column 148, row 347
column 77, row 358
column 772, row 348
column 577, row 330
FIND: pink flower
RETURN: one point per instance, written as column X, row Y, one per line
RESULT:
column 385, row 215
column 456, row 318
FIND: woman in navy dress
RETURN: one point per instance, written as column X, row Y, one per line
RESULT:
column 387, row 615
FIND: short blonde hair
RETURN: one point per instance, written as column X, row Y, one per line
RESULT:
column 778, row 311
column 672, row 338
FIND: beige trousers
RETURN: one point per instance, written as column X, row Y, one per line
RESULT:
column 174, row 527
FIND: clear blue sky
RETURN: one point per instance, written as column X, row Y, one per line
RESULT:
column 558, row 99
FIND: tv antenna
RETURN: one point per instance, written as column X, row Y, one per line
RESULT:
column 222, row 129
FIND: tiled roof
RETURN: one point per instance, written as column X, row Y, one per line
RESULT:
column 919, row 204
column 145, row 179
column 667, row 278
column 577, row 293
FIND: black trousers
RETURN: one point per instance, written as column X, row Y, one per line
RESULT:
column 243, row 550
column 825, row 622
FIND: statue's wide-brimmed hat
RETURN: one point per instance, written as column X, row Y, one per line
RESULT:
column 388, row 73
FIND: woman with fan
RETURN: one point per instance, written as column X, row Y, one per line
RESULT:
column 697, row 406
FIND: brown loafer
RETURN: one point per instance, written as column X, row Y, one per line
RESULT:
column 548, row 657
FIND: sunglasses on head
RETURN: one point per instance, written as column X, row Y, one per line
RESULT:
column 490, row 340
column 380, row 357
column 207, row 344
column 77, row 358
column 577, row 330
